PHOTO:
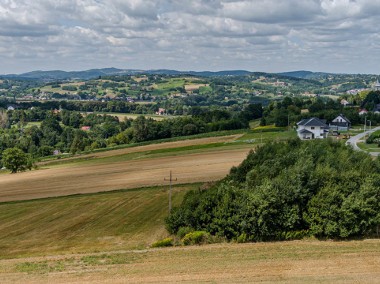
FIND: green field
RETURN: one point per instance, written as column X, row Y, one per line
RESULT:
column 169, row 86
column 124, row 219
column 369, row 147
column 264, row 137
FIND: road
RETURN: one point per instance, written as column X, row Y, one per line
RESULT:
column 353, row 141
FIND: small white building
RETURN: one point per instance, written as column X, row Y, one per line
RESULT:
column 312, row 128
column 376, row 86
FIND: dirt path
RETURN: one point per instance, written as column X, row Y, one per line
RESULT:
column 88, row 178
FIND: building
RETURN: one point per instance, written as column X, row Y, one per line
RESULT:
column 340, row 123
column 377, row 86
column 312, row 128
column 161, row 111
column 363, row 111
column 344, row 102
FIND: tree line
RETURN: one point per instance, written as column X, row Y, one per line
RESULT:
column 288, row 190
column 72, row 132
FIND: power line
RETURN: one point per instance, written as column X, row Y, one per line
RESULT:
column 170, row 189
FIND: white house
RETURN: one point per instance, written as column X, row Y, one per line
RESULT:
column 376, row 86
column 340, row 123
column 312, row 128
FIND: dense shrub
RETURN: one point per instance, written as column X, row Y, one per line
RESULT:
column 196, row 238
column 167, row 242
column 374, row 138
column 289, row 190
column 183, row 231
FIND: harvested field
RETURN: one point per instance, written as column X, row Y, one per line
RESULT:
column 193, row 87
column 166, row 145
column 105, row 175
column 282, row 262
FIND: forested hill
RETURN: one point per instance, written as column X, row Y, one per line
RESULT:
column 95, row 73
column 289, row 190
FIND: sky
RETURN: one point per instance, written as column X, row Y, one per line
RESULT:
column 339, row 36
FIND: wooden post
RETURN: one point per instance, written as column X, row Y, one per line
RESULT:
column 170, row 190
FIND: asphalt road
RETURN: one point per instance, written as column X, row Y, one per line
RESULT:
column 353, row 141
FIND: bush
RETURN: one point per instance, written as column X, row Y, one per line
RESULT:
column 167, row 242
column 268, row 128
column 242, row 238
column 183, row 231
column 374, row 138
column 196, row 238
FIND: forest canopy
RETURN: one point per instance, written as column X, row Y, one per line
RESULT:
column 288, row 190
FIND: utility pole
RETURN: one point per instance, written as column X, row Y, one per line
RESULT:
column 365, row 122
column 170, row 190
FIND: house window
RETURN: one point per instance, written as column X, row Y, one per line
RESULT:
column 312, row 127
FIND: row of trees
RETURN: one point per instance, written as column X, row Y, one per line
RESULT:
column 289, row 111
column 62, row 132
column 289, row 190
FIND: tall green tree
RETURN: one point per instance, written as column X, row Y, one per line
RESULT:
column 16, row 160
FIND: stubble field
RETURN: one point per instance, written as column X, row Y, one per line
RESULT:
column 126, row 168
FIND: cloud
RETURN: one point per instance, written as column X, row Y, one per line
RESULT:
column 262, row 35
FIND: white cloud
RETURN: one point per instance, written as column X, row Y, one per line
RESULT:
column 262, row 35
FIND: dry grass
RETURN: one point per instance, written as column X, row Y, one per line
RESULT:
column 282, row 262
column 193, row 87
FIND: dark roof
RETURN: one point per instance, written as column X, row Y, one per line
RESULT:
column 304, row 131
column 312, row 122
column 345, row 118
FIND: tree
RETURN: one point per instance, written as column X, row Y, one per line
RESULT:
column 16, row 160
column 3, row 118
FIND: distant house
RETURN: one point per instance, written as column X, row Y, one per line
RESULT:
column 363, row 111
column 11, row 107
column 312, row 128
column 376, row 86
column 86, row 128
column 161, row 111
column 344, row 102
column 340, row 123
column 56, row 111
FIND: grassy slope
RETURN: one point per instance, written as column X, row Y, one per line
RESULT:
column 282, row 262
column 86, row 223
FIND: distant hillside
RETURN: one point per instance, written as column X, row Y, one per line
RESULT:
column 69, row 75
column 304, row 74
column 199, row 73
column 94, row 73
